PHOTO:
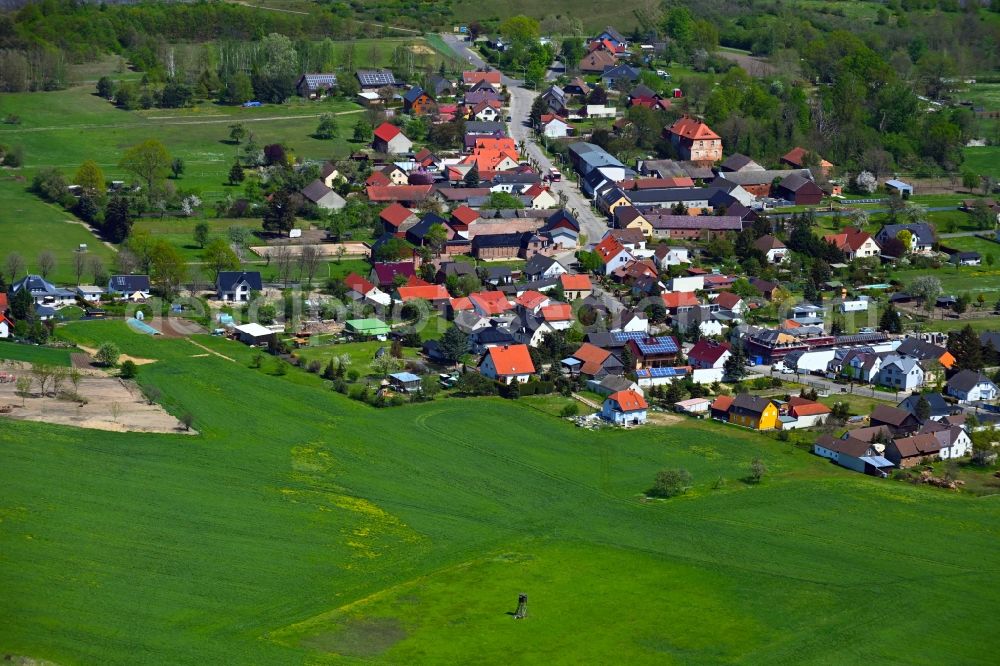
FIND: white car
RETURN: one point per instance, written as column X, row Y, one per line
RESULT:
column 663, row 74
column 787, row 371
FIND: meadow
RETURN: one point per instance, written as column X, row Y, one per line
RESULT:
column 302, row 527
column 28, row 226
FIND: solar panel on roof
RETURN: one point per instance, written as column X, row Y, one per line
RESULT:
column 623, row 336
column 658, row 346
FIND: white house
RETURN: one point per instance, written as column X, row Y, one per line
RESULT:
column 902, row 373
column 971, row 386
column 507, row 364
column 601, row 111
column 89, row 293
column 709, row 354
column 672, row 256
column 6, row 327
column 859, row 304
column 556, row 128
column 625, row 408
column 613, row 254
column 854, row 454
column 44, row 292
column 237, row 286
column 773, row 248
column 954, row 439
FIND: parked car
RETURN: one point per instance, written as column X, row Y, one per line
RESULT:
column 247, row 105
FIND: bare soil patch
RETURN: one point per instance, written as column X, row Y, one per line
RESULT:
column 752, row 65
column 663, row 418
column 324, row 249
column 112, row 404
column 124, row 357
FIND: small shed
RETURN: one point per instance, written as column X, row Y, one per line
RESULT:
column 404, row 382
column 904, row 190
column 254, row 334
column 693, row 405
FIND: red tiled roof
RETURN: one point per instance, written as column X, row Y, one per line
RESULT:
column 429, row 292
column 576, row 282
column 357, row 283
column 490, row 302
column 395, row 214
column 511, row 360
column 849, row 239
column 708, row 351
column 592, row 357
column 531, row 299
column 799, row 406
column 722, row 403
column 398, row 192
column 557, row 312
column 629, row 401
column 608, row 249
column 386, row 131
column 378, row 178
column 465, row 215
column 475, row 76
column 676, row 299
column 692, row 129
column 461, row 304
column 727, row 300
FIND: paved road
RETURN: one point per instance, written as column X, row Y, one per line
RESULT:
column 593, row 226
column 834, row 388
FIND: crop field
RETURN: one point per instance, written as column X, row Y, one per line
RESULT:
column 32, row 354
column 984, row 160
column 302, row 527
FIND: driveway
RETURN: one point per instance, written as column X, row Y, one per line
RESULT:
column 521, row 98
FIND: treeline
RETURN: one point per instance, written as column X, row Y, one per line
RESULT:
column 37, row 40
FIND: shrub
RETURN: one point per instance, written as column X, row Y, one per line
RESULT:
column 572, row 409
column 353, row 375
column 670, row 483
column 107, row 354
column 128, row 370
column 314, row 367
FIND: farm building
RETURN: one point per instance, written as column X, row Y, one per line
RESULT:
column 254, row 334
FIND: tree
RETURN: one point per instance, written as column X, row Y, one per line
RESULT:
column 106, row 87
column 970, row 180
column 670, row 483
column 522, row 29
column 148, row 161
column 386, row 364
column 429, row 386
column 279, row 213
column 923, row 410
column 962, row 303
column 90, row 177
column 539, row 107
column 219, row 256
column 177, row 167
column 362, row 132
column 117, row 219
column 168, row 267
column 327, row 128
column 890, row 321
column 757, row 470
column 309, row 261
column 454, row 344
column 80, row 262
column 964, row 345
column 22, row 306
column 13, row 266
column 128, row 370
column 237, row 132
column 735, row 367
column 927, row 288
column 46, row 263
column 107, row 354
column 471, row 178
column 201, row 231
column 97, row 271
column 236, row 173
column 22, row 386
column 502, row 201
column 50, row 184
column 866, row 182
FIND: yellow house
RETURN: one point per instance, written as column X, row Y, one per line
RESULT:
column 754, row 412
column 630, row 218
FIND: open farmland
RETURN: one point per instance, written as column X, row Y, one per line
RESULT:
column 275, row 538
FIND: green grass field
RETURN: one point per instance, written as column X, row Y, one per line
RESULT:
column 33, row 354
column 28, row 226
column 984, row 161
column 66, row 127
column 301, row 527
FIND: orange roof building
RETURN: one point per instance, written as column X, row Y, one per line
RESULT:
column 426, row 292
column 695, row 140
column 557, row 312
column 507, row 364
column 678, row 299
column 488, row 303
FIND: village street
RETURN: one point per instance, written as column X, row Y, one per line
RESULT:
column 521, row 99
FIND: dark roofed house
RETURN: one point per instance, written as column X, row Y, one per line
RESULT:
column 384, row 274
column 907, row 452
column 417, row 101
column 619, row 74
column 898, row 421
column 315, row 85
column 799, row 190
column 373, row 79
column 738, row 162
column 939, row 407
column 129, row 285
column 237, row 285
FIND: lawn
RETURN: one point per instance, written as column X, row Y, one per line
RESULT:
column 984, row 160
column 28, row 226
column 301, row 527
column 959, row 279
